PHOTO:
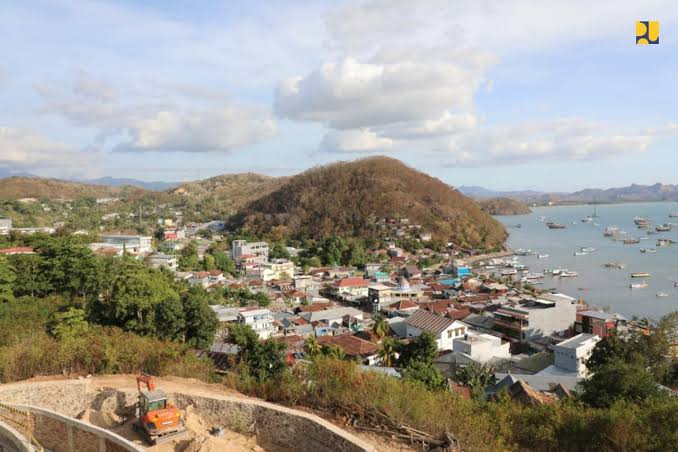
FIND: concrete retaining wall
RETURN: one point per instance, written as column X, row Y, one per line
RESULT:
column 277, row 426
column 61, row 433
column 13, row 441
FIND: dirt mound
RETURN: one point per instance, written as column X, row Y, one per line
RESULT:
column 199, row 439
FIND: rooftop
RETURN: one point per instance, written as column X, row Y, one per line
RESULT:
column 427, row 321
column 579, row 340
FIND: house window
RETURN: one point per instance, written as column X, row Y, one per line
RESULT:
column 449, row 333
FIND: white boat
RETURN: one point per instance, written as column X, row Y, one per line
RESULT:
column 587, row 249
column 638, row 285
column 555, row 271
column 662, row 294
column 542, row 256
column 533, row 276
column 640, row 275
column 675, row 284
column 568, row 274
column 588, row 219
column 581, row 253
column 648, row 250
column 509, row 272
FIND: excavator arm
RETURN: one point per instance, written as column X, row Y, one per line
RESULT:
column 145, row 379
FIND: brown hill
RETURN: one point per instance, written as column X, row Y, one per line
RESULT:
column 347, row 198
column 504, row 206
column 41, row 188
column 222, row 196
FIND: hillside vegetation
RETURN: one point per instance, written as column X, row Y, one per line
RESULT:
column 504, row 206
column 347, row 198
column 37, row 187
column 222, row 196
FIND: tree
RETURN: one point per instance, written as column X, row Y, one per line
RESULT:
column 312, row 346
column 618, row 381
column 333, row 351
column 28, row 281
column 426, row 374
column 477, row 378
column 387, row 354
column 201, row 321
column 223, row 262
column 262, row 361
column 279, row 251
column 170, row 319
column 69, row 324
column 7, row 278
column 188, row 257
column 423, row 348
column 208, row 263
column 381, row 326
column 68, row 268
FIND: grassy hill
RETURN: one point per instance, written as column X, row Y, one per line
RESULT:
column 504, row 206
column 222, row 196
column 36, row 187
column 346, row 198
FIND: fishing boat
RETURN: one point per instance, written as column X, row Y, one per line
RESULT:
column 554, row 271
column 553, row 225
column 614, row 265
column 640, row 275
column 581, row 253
column 662, row 294
column 664, row 242
column 588, row 219
column 523, row 252
column 640, row 220
column 509, row 272
column 542, row 256
column 651, row 232
column 631, row 241
column 611, row 231
column 638, row 285
column 520, row 267
column 675, row 284
column 568, row 274
column 534, row 276
column 663, row 228
column 648, row 250
column 587, row 249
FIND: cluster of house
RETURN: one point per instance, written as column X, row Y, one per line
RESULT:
column 474, row 320
column 401, row 227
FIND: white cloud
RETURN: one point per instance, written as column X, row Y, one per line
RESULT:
column 447, row 124
column 355, row 141
column 22, row 149
column 139, row 121
column 351, row 94
column 566, row 139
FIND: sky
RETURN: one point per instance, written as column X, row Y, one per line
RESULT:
column 517, row 94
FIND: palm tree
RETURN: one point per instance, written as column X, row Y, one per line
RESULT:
column 386, row 353
column 312, row 346
column 381, row 326
column 333, row 351
column 476, row 377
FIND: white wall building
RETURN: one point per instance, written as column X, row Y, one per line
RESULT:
column 257, row 250
column 163, row 260
column 571, row 355
column 444, row 329
column 5, row 225
column 481, row 347
column 260, row 320
column 133, row 244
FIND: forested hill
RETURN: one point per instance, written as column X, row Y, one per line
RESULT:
column 504, row 206
column 18, row 187
column 347, row 198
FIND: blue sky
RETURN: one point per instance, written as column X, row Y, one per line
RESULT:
column 520, row 94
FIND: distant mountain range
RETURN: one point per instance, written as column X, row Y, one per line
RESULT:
column 630, row 193
column 118, row 182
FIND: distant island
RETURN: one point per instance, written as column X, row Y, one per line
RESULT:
column 504, row 206
column 630, row 193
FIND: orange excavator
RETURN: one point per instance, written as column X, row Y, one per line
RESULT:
column 157, row 419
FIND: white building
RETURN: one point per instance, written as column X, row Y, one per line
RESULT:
column 5, row 225
column 277, row 269
column 163, row 260
column 481, row 347
column 333, row 317
column 260, row 320
column 133, row 244
column 256, row 251
column 571, row 355
column 445, row 329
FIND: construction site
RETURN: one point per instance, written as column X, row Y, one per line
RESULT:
column 136, row 412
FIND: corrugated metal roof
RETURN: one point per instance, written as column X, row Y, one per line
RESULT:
column 427, row 321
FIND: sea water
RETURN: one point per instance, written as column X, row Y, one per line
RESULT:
column 597, row 285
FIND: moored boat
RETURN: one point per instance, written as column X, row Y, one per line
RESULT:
column 553, row 225
column 631, row 241
column 648, row 250
column 614, row 265
column 638, row 285
column 662, row 294
column 663, row 228
column 568, row 274
column 581, row 253
column 640, row 275
column 542, row 256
